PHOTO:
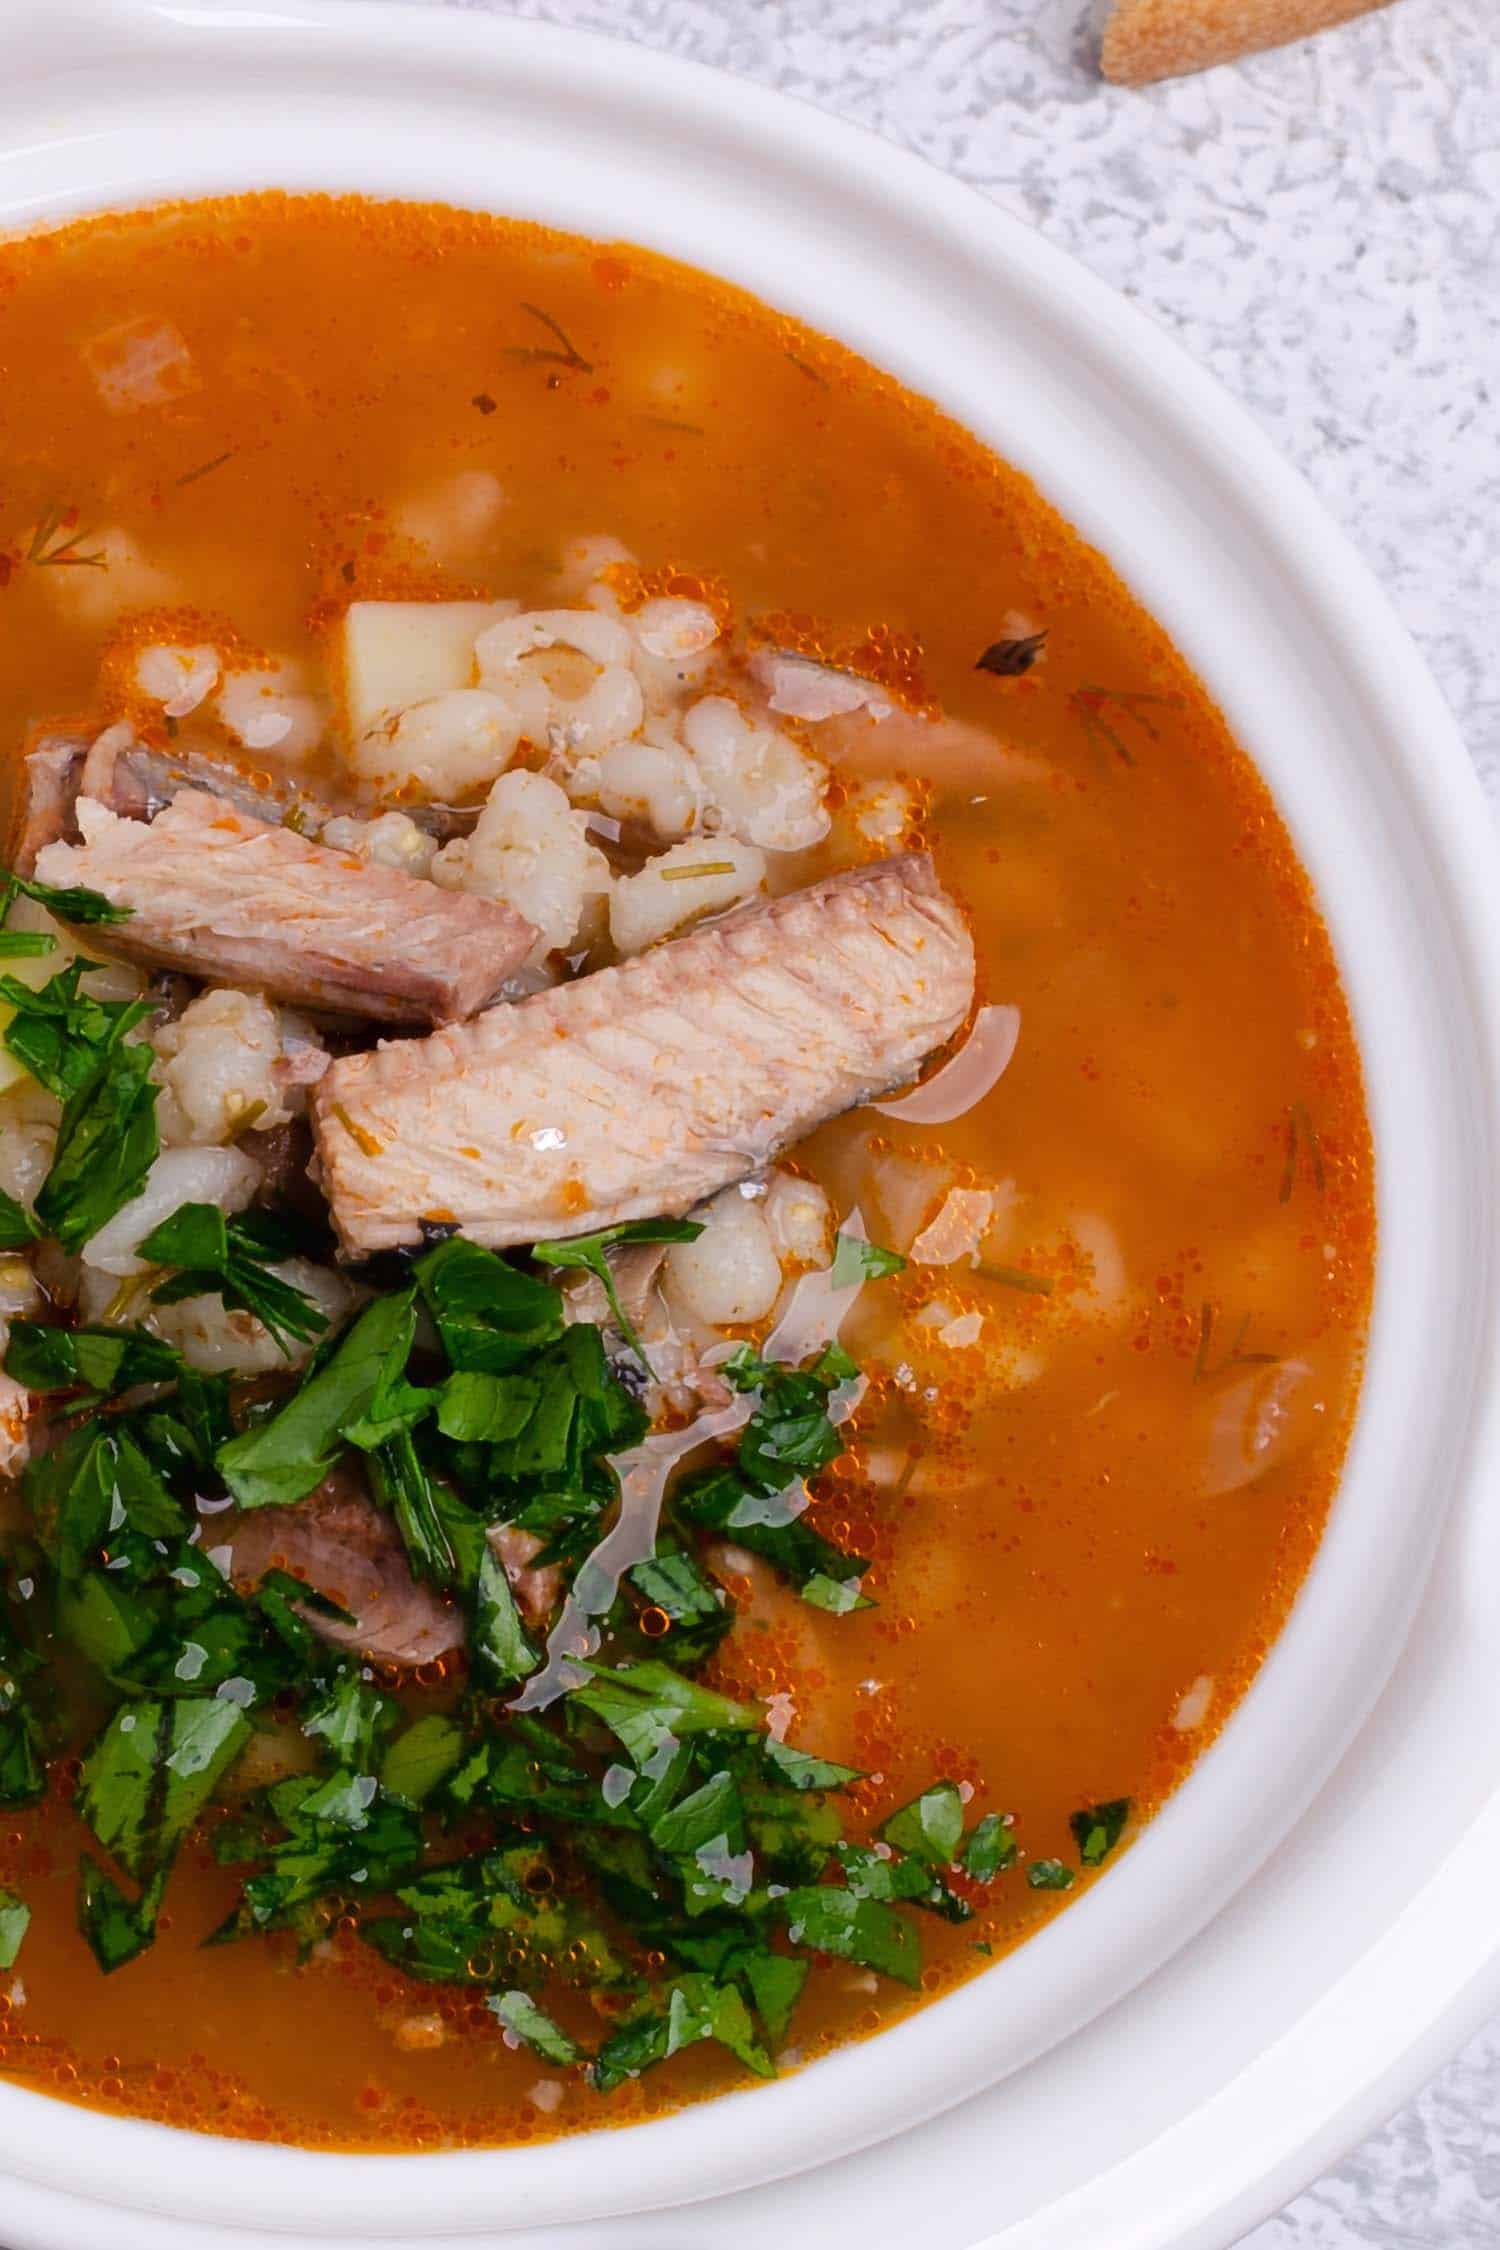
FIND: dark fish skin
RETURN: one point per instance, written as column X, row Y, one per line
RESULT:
column 54, row 762
column 232, row 900
column 138, row 782
column 637, row 1091
column 284, row 1154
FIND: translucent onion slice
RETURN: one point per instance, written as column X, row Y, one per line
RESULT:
column 814, row 1314
column 979, row 1065
column 800, row 688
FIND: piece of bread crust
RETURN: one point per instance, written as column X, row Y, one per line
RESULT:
column 1147, row 39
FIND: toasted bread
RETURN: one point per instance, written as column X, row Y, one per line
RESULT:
column 1146, row 39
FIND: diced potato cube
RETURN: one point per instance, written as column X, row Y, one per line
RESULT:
column 396, row 653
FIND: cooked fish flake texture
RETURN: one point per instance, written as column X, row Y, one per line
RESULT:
column 233, row 900
column 640, row 1090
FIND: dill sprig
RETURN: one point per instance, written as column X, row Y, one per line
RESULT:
column 564, row 353
column 1301, row 1143
column 1091, row 704
column 66, row 551
column 1236, row 1356
column 206, row 468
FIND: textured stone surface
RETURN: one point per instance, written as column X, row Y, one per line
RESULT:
column 1321, row 227
column 1429, row 2181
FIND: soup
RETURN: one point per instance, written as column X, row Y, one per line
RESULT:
column 684, row 1296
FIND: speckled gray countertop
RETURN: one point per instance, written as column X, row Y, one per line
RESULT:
column 1321, row 227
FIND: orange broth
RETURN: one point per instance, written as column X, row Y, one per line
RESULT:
column 1060, row 1568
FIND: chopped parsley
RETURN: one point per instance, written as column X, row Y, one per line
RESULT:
column 759, row 1500
column 990, row 1849
column 284, row 1457
column 76, row 1046
column 1098, row 1828
column 693, row 1611
column 1050, row 1875
column 70, row 902
column 588, row 1252
column 23, row 1773
column 144, row 1783
column 695, row 2008
column 524, row 2020
column 18, row 1229
column 489, row 1314
column 95, row 1362
column 232, row 1258
column 502, row 1650
column 931, row 1827
column 15, row 1918
column 855, row 1260
column 421, row 1758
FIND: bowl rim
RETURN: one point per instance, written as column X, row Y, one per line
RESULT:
column 1105, row 343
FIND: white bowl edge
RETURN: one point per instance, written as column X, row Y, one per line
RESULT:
column 1348, row 675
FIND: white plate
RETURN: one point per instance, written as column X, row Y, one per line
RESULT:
column 1319, row 1984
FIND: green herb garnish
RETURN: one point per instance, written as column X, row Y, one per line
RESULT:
column 70, row 902
column 521, row 2016
column 1098, row 1828
column 588, row 1252
column 855, row 1260
column 100, row 1362
column 501, row 1648
column 1049, row 1875
column 759, row 1500
column 695, row 1614
column 931, row 1827
column 18, row 1229
column 144, row 1783
column 695, row 2008
column 990, row 1849
column 422, row 1758
column 23, row 1774
column 15, row 1916
column 107, row 1141
column 232, row 1258
column 867, row 1930
column 284, row 1457
column 490, row 1316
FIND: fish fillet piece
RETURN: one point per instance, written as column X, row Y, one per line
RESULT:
column 232, row 900
column 138, row 782
column 54, row 772
column 342, row 1546
column 637, row 1091
column 346, row 1548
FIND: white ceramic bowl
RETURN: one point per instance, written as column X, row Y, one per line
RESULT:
column 1329, row 1966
